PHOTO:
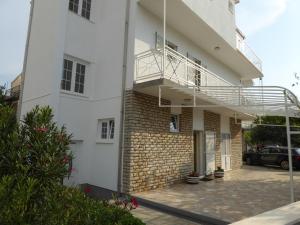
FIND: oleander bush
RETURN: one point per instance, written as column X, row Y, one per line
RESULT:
column 34, row 160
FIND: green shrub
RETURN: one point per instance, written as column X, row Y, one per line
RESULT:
column 33, row 162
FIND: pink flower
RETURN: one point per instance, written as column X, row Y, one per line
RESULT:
column 87, row 190
column 72, row 170
column 41, row 129
column 66, row 159
column 134, row 202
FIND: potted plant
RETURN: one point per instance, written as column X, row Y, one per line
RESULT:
column 219, row 172
column 193, row 178
column 209, row 175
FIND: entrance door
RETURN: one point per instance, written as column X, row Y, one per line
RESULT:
column 199, row 156
column 226, row 152
column 210, row 151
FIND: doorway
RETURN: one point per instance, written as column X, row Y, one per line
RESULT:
column 226, row 151
column 210, row 151
column 199, row 155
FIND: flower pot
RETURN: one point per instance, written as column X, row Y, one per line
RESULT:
column 209, row 177
column 219, row 174
column 192, row 180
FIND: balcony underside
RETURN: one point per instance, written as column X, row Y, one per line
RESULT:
column 174, row 93
column 233, row 101
column 194, row 28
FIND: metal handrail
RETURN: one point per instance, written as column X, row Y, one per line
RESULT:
column 179, row 69
column 245, row 49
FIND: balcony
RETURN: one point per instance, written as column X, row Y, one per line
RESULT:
column 243, row 48
column 178, row 69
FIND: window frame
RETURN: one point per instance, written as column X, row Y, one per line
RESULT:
column 86, row 11
column 74, row 75
column 174, row 130
column 73, row 5
column 81, row 9
column 110, row 130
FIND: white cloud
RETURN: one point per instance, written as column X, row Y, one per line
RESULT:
column 255, row 15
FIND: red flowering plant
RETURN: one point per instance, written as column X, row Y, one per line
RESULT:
column 44, row 146
column 126, row 202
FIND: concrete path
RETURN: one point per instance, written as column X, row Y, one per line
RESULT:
column 242, row 193
column 153, row 217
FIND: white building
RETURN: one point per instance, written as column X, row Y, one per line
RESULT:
column 98, row 64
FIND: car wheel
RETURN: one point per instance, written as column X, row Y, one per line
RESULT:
column 248, row 161
column 284, row 164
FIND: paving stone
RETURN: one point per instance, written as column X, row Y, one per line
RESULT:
column 243, row 193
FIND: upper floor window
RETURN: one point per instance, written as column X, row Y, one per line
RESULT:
column 86, row 9
column 73, row 5
column 73, row 77
column 82, row 7
column 159, row 43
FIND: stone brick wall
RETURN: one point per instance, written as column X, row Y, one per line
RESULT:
column 212, row 122
column 154, row 157
column 236, row 144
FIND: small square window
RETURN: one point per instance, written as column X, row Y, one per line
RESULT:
column 106, row 129
column 174, row 123
column 73, row 5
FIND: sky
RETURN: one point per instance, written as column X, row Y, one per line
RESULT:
column 272, row 28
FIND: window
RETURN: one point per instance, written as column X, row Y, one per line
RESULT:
column 73, row 77
column 79, row 80
column 73, row 5
column 174, row 123
column 67, row 75
column 159, row 43
column 81, row 7
column 106, row 129
column 86, row 9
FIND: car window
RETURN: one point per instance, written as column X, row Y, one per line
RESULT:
column 265, row 150
column 274, row 150
column 297, row 150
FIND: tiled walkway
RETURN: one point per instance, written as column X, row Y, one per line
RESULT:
column 152, row 217
column 243, row 193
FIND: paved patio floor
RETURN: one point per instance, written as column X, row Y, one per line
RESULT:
column 242, row 193
column 153, row 217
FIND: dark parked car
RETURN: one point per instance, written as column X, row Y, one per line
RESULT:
column 272, row 155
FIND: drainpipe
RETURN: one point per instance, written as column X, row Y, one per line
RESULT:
column 25, row 61
column 122, row 112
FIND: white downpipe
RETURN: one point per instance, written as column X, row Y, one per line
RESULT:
column 288, row 133
column 164, row 39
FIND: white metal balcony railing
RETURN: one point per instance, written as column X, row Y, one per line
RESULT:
column 244, row 48
column 179, row 69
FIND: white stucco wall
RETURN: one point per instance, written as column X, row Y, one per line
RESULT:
column 99, row 43
column 216, row 14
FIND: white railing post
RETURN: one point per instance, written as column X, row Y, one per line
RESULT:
column 186, row 70
column 164, row 39
column 288, row 133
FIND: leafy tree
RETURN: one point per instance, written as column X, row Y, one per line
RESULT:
column 34, row 160
column 272, row 135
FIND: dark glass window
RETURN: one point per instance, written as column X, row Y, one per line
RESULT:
column 73, row 5
column 67, row 75
column 86, row 9
column 79, row 79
